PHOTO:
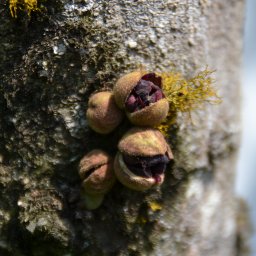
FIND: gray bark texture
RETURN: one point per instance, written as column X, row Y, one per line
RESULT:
column 51, row 63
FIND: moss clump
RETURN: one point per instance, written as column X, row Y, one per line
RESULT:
column 25, row 5
column 185, row 95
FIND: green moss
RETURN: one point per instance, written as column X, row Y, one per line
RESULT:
column 103, row 58
column 185, row 95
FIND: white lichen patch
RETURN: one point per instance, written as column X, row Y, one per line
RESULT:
column 31, row 227
column 72, row 114
column 72, row 8
column 22, row 204
column 208, row 211
column 195, row 190
column 59, row 49
column 73, row 119
column 132, row 43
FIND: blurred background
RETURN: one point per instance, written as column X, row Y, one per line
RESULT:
column 246, row 170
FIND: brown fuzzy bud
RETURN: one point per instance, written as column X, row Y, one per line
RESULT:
column 142, row 98
column 102, row 114
column 142, row 158
column 96, row 171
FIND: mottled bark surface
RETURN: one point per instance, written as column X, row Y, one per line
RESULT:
column 51, row 63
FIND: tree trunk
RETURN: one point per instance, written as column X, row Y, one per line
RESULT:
column 51, row 63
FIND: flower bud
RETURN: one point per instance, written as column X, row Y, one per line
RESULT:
column 102, row 114
column 96, row 172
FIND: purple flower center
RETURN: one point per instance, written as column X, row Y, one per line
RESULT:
column 147, row 166
column 147, row 91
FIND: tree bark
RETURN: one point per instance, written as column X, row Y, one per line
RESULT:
column 51, row 63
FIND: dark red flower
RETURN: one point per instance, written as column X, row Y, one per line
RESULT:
column 147, row 91
column 147, row 166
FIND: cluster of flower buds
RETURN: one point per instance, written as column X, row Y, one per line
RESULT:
column 143, row 152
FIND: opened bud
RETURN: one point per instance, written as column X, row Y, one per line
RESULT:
column 96, row 172
column 102, row 114
column 142, row 158
column 141, row 96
